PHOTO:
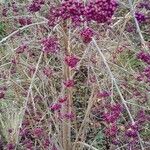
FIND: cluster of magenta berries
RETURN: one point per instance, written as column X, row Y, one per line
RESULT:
column 132, row 129
column 87, row 34
column 140, row 17
column 113, row 113
column 144, row 56
column 21, row 49
column 24, row 21
column 71, row 61
column 10, row 6
column 50, row 45
column 100, row 11
column 145, row 74
column 111, row 117
column 58, row 106
column 68, row 9
column 36, row 5
column 144, row 4
column 103, row 94
column 69, row 83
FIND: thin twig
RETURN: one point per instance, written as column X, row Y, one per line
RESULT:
column 20, row 29
column 137, row 25
column 87, row 145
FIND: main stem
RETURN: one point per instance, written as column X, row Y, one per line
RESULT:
column 68, row 107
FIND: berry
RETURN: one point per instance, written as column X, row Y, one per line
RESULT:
column 62, row 99
column 140, row 17
column 100, row 11
column 71, row 61
column 111, row 131
column 103, row 94
column 132, row 130
column 50, row 45
column 36, row 5
column 86, row 35
column 144, row 56
column 24, row 21
column 69, row 83
column 10, row 146
column 55, row 107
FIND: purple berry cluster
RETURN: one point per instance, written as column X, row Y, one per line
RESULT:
column 86, row 35
column 100, row 11
column 144, row 4
column 141, row 118
column 69, row 83
column 62, row 99
column 36, row 5
column 145, row 74
column 113, row 113
column 10, row 146
column 71, row 61
column 55, row 107
column 2, row 94
column 144, row 56
column 36, row 133
column 24, row 21
column 111, row 117
column 103, row 94
column 72, row 9
column 68, row 9
column 58, row 105
column 111, row 130
column 140, row 17
column 142, row 13
column 50, row 45
column 132, row 131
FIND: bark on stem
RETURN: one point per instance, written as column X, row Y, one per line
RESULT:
column 67, row 108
